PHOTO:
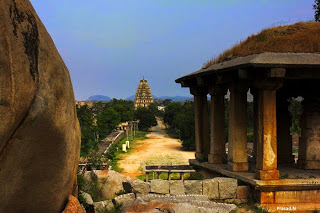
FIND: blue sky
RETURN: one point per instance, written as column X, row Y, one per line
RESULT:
column 109, row 45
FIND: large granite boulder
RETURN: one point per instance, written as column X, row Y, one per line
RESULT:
column 111, row 183
column 39, row 130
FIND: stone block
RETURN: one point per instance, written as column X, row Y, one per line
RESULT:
column 159, row 186
column 193, row 187
column 304, row 196
column 103, row 205
column 125, row 199
column 243, row 192
column 211, row 188
column 266, row 197
column 176, row 187
column 140, row 187
column 87, row 197
column 227, row 187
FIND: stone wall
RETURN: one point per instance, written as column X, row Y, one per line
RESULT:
column 220, row 188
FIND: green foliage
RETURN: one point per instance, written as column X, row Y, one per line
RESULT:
column 259, row 209
column 107, row 120
column 91, row 187
column 166, row 102
column 146, row 118
column 316, row 7
column 295, row 109
column 195, row 176
column 115, row 150
column 171, row 111
column 180, row 119
column 154, row 108
column 88, row 130
column 123, row 107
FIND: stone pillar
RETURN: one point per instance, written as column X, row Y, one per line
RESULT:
column 255, row 122
column 284, row 139
column 266, row 167
column 201, row 122
column 217, row 126
column 237, row 145
column 309, row 144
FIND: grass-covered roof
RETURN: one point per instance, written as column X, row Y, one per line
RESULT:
column 302, row 37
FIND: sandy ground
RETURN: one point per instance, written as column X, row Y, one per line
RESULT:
column 157, row 149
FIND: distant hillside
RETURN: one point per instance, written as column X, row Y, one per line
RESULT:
column 131, row 97
column 176, row 98
column 99, row 98
column 173, row 98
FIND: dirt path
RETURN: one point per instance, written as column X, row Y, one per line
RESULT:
column 157, row 149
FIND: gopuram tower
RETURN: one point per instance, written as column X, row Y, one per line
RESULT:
column 143, row 95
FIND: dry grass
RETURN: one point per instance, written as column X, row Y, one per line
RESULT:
column 302, row 37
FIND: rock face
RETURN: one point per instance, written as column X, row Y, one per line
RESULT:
column 39, row 131
column 73, row 206
column 111, row 183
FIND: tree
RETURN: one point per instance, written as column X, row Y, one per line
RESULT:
column 295, row 109
column 107, row 120
column 171, row 111
column 184, row 122
column 146, row 118
column 125, row 112
column 316, row 7
column 88, row 130
column 166, row 102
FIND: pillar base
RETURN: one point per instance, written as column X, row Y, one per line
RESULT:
column 201, row 156
column 308, row 164
column 215, row 159
column 286, row 160
column 267, row 174
column 238, row 167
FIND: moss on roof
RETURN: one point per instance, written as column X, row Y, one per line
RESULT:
column 302, row 37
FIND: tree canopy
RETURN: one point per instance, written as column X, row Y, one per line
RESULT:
column 316, row 7
column 146, row 118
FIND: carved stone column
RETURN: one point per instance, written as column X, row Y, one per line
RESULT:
column 237, row 146
column 309, row 145
column 266, row 167
column 254, row 93
column 217, row 126
column 284, row 139
column 201, row 122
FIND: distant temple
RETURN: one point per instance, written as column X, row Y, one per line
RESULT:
column 143, row 95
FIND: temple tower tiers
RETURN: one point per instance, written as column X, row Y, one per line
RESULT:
column 143, row 95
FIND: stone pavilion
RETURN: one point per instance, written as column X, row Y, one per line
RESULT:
column 272, row 78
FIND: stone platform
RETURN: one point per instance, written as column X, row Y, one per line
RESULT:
column 296, row 189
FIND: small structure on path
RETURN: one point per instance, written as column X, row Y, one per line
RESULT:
column 272, row 77
column 143, row 95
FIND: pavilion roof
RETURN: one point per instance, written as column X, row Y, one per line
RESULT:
column 262, row 60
